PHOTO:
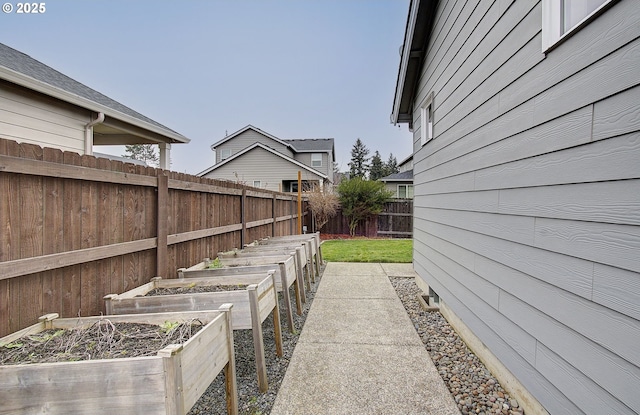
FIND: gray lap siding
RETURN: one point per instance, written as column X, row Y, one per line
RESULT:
column 527, row 200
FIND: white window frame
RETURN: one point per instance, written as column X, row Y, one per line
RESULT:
column 257, row 183
column 224, row 151
column 313, row 162
column 406, row 191
column 552, row 18
column 426, row 113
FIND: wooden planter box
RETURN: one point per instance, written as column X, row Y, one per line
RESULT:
column 310, row 241
column 169, row 383
column 287, row 273
column 303, row 260
column 251, row 306
column 315, row 236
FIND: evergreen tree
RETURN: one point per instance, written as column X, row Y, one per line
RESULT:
column 378, row 168
column 358, row 166
column 142, row 152
column 391, row 166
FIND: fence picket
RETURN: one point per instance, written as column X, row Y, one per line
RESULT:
column 66, row 202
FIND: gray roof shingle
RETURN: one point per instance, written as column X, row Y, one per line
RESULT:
column 311, row 144
column 405, row 175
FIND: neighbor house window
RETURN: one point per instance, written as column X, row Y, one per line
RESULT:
column 316, row 160
column 257, row 183
column 561, row 18
column 405, row 191
column 426, row 120
column 225, row 153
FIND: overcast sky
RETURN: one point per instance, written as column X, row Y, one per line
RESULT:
column 295, row 69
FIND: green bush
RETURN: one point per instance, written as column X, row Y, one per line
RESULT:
column 361, row 199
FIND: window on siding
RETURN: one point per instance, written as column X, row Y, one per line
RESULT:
column 405, row 191
column 257, row 183
column 225, row 153
column 316, row 159
column 426, row 120
column 562, row 18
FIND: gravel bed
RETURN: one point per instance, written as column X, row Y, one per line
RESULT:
column 471, row 384
column 250, row 400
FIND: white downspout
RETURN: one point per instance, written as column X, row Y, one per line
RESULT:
column 88, row 134
column 165, row 156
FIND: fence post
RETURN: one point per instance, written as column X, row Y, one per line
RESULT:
column 243, row 217
column 161, row 220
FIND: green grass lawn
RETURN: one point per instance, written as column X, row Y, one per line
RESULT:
column 368, row 250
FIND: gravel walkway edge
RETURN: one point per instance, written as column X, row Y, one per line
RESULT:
column 473, row 387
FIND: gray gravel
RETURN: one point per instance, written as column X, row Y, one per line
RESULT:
column 473, row 387
column 250, row 400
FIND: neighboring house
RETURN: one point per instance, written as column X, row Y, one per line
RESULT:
column 40, row 105
column 256, row 158
column 401, row 183
column 527, row 188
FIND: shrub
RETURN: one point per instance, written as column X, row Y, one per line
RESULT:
column 361, row 199
column 323, row 204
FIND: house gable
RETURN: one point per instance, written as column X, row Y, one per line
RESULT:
column 261, row 163
column 246, row 137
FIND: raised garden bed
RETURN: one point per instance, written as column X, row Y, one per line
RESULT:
column 300, row 267
column 286, row 274
column 170, row 382
column 315, row 236
column 252, row 305
column 312, row 241
column 303, row 258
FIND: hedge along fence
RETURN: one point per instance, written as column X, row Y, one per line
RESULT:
column 75, row 228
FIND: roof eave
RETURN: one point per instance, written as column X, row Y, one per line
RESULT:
column 414, row 50
column 54, row 92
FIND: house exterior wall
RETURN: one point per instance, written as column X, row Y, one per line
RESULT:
column 393, row 187
column 259, row 164
column 305, row 158
column 248, row 138
column 527, row 200
column 29, row 117
column 405, row 166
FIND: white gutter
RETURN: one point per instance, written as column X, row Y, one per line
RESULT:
column 88, row 134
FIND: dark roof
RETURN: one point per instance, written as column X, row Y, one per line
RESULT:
column 311, row 144
column 32, row 68
column 396, row 177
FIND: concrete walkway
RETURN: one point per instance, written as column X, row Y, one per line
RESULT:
column 358, row 352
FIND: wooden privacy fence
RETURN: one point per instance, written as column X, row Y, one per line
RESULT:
column 395, row 221
column 74, row 228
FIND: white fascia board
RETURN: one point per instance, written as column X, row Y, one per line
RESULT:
column 52, row 91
